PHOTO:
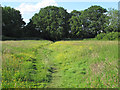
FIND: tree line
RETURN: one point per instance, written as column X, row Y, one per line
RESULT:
column 55, row 23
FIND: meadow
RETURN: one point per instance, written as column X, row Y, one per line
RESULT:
column 61, row 64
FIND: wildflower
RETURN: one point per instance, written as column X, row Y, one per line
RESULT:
column 90, row 48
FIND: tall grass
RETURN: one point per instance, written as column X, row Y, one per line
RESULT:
column 24, row 64
column 85, row 64
column 63, row 64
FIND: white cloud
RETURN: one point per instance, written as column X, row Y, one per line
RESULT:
column 30, row 8
column 69, row 11
column 26, row 20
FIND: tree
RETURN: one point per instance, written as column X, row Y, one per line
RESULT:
column 0, row 21
column 75, row 13
column 52, row 22
column 93, row 20
column 30, row 30
column 113, row 21
column 75, row 25
column 12, row 22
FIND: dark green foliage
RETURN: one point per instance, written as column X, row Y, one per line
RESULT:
column 108, row 36
column 100, row 36
column 88, row 23
column 12, row 22
column 52, row 22
column 55, row 23
column 30, row 30
column 75, row 25
column 93, row 20
column 113, row 21
column 75, row 13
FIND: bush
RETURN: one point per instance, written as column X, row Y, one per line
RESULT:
column 108, row 36
column 100, row 36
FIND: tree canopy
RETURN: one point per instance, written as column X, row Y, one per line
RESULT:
column 52, row 22
column 12, row 22
column 55, row 23
column 113, row 20
column 88, row 23
column 94, row 20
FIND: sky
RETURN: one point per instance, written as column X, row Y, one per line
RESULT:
column 29, row 8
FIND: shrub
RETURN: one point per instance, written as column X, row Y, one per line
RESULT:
column 100, row 36
column 108, row 36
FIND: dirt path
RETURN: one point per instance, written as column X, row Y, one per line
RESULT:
column 56, row 80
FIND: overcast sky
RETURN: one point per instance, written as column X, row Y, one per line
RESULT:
column 29, row 7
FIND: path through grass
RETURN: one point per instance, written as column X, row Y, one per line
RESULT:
column 63, row 64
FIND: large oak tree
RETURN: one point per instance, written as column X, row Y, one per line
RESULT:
column 52, row 22
column 94, row 20
column 12, row 22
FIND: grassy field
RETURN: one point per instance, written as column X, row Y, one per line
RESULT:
column 63, row 64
